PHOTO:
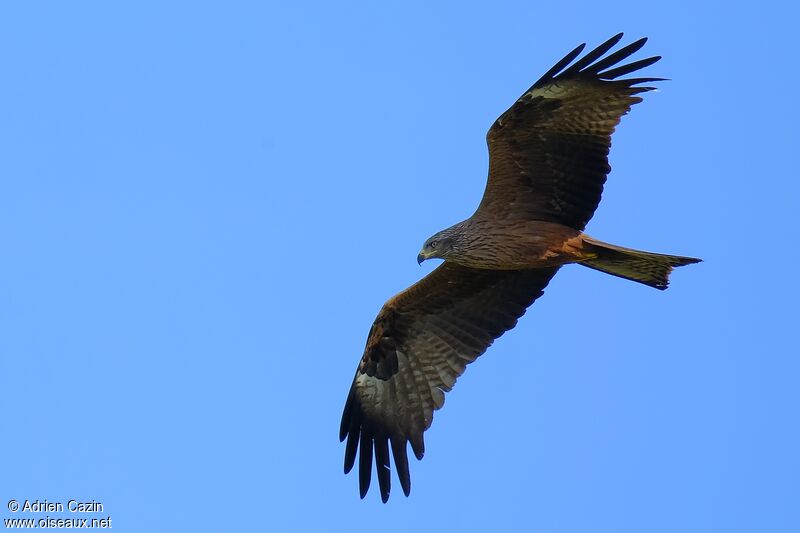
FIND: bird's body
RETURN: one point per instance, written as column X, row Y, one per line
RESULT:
column 547, row 166
column 515, row 244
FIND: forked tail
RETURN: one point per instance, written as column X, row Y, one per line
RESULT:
column 645, row 267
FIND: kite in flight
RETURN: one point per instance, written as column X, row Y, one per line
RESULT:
column 548, row 161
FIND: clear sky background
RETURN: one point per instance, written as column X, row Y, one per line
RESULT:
column 204, row 205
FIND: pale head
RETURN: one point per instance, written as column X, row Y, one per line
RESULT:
column 440, row 245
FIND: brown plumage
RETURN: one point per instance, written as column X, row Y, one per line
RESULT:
column 548, row 163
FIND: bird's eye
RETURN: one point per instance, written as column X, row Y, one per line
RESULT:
column 433, row 244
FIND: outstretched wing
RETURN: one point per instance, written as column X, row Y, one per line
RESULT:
column 421, row 341
column 548, row 154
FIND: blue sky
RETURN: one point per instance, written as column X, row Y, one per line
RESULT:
column 203, row 206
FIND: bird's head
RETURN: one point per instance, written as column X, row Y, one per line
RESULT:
column 438, row 246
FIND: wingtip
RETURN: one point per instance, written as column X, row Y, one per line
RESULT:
column 594, row 64
column 418, row 446
column 616, row 38
column 637, row 45
column 348, row 465
column 363, row 486
column 401, row 463
column 350, row 451
column 364, row 463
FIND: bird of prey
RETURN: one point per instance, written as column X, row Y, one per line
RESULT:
column 548, row 161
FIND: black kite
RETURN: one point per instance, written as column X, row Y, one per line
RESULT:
column 548, row 161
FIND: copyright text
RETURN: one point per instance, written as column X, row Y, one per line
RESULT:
column 76, row 511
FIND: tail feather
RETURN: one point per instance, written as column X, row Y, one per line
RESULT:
column 643, row 267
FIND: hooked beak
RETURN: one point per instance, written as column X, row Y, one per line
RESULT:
column 421, row 257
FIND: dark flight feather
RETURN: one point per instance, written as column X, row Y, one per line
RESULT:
column 592, row 56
